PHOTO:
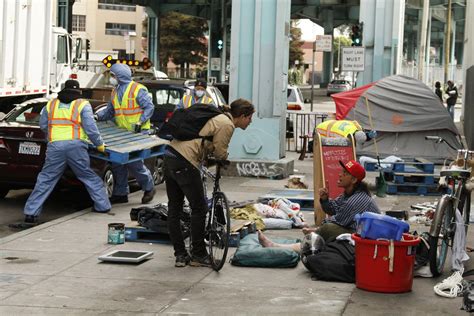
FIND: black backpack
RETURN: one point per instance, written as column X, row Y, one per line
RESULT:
column 155, row 218
column 185, row 124
column 336, row 262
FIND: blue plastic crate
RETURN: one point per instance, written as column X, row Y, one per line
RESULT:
column 378, row 226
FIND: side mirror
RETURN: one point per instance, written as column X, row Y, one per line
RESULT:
column 78, row 49
column 307, row 101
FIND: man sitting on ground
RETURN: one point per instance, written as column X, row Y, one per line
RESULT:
column 355, row 199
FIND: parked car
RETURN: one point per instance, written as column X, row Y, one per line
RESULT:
column 338, row 85
column 23, row 147
column 295, row 99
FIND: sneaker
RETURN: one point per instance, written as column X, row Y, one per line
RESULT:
column 116, row 199
column 201, row 261
column 31, row 219
column 182, row 261
column 148, row 196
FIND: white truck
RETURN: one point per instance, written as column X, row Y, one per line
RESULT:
column 35, row 56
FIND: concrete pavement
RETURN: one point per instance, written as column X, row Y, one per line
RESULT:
column 52, row 269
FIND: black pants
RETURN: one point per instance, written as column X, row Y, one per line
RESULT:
column 184, row 180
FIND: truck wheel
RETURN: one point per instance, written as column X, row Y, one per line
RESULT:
column 109, row 181
column 158, row 171
column 3, row 192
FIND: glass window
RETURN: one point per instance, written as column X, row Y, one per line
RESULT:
column 115, row 5
column 291, row 95
column 61, row 54
column 28, row 114
column 118, row 28
column 79, row 23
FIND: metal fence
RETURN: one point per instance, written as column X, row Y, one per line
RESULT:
column 301, row 123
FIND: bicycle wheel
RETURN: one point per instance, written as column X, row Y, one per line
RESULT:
column 219, row 230
column 440, row 242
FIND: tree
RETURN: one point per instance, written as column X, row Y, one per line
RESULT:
column 344, row 41
column 296, row 52
column 182, row 40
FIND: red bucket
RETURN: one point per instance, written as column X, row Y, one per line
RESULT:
column 382, row 267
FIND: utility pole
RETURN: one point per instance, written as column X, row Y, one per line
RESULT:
column 339, row 55
column 312, row 76
column 448, row 42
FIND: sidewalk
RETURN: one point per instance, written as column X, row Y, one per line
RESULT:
column 52, row 269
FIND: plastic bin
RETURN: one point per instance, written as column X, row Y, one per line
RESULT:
column 378, row 271
column 378, row 226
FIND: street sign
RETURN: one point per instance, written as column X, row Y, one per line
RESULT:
column 323, row 43
column 215, row 64
column 353, row 59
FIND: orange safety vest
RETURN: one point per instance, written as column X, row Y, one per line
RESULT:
column 128, row 112
column 64, row 120
column 188, row 100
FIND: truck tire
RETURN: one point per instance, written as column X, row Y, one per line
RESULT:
column 109, row 181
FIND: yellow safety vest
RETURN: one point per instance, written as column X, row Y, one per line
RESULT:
column 128, row 112
column 334, row 128
column 64, row 120
column 188, row 100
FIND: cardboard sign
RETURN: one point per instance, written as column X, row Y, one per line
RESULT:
column 328, row 151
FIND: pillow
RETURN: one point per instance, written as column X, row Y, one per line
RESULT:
column 251, row 254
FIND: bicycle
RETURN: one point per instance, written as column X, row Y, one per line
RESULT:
column 443, row 226
column 218, row 219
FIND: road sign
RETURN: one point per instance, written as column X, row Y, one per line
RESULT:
column 353, row 59
column 323, row 43
column 215, row 64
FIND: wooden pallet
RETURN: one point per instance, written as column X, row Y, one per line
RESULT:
column 422, row 178
column 123, row 146
column 413, row 189
column 417, row 165
column 305, row 198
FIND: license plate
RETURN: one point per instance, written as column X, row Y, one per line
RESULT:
column 29, row 148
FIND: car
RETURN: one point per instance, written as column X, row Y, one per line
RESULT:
column 295, row 99
column 23, row 147
column 338, row 85
column 224, row 89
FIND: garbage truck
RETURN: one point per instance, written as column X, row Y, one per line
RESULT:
column 36, row 58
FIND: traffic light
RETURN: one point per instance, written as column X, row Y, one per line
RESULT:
column 220, row 44
column 356, row 35
column 88, row 44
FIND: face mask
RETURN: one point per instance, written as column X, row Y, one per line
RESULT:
column 199, row 93
column 113, row 81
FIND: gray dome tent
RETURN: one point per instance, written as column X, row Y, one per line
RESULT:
column 403, row 110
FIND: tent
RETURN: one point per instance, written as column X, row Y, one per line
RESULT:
column 403, row 111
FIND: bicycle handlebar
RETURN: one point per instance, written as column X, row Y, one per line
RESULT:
column 439, row 139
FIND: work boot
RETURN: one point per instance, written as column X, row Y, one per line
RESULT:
column 96, row 211
column 117, row 199
column 31, row 219
column 148, row 196
column 200, row 261
column 182, row 261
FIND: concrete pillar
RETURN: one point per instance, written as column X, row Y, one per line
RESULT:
column 259, row 72
column 382, row 38
column 153, row 39
column 327, row 56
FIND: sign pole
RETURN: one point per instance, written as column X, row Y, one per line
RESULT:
column 312, row 76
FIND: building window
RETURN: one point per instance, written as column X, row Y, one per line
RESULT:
column 115, row 5
column 122, row 54
column 79, row 23
column 119, row 28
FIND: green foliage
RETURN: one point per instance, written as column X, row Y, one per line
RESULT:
column 296, row 52
column 345, row 42
column 182, row 39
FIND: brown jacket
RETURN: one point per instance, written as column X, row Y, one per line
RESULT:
column 221, row 127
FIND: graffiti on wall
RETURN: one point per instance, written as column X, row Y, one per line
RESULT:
column 259, row 169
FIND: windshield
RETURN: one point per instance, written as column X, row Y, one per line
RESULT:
column 29, row 114
column 219, row 96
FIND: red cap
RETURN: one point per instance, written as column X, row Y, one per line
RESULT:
column 354, row 168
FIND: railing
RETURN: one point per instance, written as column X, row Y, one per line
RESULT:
column 301, row 123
